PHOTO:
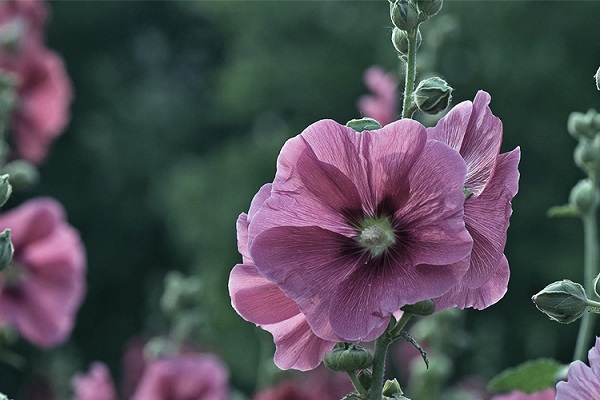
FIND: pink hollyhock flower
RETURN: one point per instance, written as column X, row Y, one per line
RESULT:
column 582, row 382
column 95, row 385
column 491, row 183
column 319, row 384
column 548, row 394
column 189, row 376
column 43, row 289
column 359, row 224
column 260, row 301
column 382, row 105
column 44, row 94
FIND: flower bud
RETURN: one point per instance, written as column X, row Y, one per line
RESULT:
column 180, row 293
column 597, row 285
column 432, row 95
column 363, row 124
column 6, row 249
column 422, row 308
column 563, row 301
column 350, row 358
column 585, row 125
column 597, row 78
column 400, row 40
column 23, row 174
column 583, row 196
column 429, row 7
column 404, row 14
column 391, row 387
column 5, row 189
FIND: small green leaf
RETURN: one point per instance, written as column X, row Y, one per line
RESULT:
column 563, row 211
column 529, row 377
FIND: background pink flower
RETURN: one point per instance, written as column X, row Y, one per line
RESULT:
column 582, row 382
column 359, row 224
column 94, row 385
column 382, row 105
column 321, row 384
column 548, row 394
column 189, row 376
column 41, row 293
column 492, row 182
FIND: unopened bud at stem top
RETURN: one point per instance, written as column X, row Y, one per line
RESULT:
column 404, row 14
column 563, row 301
column 432, row 95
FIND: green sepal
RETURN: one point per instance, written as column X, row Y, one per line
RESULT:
column 529, row 377
column 563, row 211
column 363, row 124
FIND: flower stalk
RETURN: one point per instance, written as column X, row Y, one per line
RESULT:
column 408, row 108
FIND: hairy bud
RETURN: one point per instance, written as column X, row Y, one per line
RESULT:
column 432, row 95
column 351, row 357
column 563, row 301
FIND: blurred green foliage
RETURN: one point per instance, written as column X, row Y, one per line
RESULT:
column 181, row 108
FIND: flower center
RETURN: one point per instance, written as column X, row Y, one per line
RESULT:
column 376, row 235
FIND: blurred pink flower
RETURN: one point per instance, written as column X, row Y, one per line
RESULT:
column 185, row 377
column 260, row 301
column 582, row 382
column 492, row 181
column 321, row 384
column 548, row 394
column 382, row 105
column 44, row 90
column 43, row 289
column 95, row 385
column 359, row 224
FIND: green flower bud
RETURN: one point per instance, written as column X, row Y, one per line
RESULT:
column 23, row 174
column 423, row 308
column 181, row 293
column 5, row 189
column 365, row 377
column 563, row 301
column 432, row 95
column 363, row 124
column 585, row 125
column 400, row 40
column 597, row 79
column 586, row 154
column 391, row 387
column 583, row 196
column 351, row 357
column 6, row 249
column 597, row 285
column 429, row 7
column 404, row 14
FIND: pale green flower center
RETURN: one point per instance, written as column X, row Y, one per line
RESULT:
column 376, row 235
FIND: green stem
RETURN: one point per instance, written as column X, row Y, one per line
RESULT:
column 411, row 72
column 357, row 385
column 591, row 261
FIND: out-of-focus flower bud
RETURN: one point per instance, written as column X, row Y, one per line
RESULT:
column 351, row 357
column 6, row 249
column 586, row 154
column 429, row 7
column 400, row 40
column 363, row 124
column 180, row 293
column 5, row 189
column 23, row 174
column 585, row 125
column 404, row 14
column 583, row 196
column 432, row 95
column 423, row 308
column 391, row 387
column 563, row 301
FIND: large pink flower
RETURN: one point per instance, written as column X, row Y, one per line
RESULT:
column 44, row 90
column 382, row 105
column 260, row 301
column 41, row 293
column 548, row 394
column 359, row 224
column 491, row 183
column 95, row 385
column 582, row 382
column 189, row 376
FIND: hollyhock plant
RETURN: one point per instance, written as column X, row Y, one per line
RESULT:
column 260, row 301
column 43, row 289
column 582, row 382
column 359, row 224
column 548, row 394
column 94, row 385
column 492, row 181
column 382, row 105
column 188, row 376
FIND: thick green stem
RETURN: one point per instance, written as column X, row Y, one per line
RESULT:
column 381, row 346
column 357, row 385
column 591, row 261
column 411, row 72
